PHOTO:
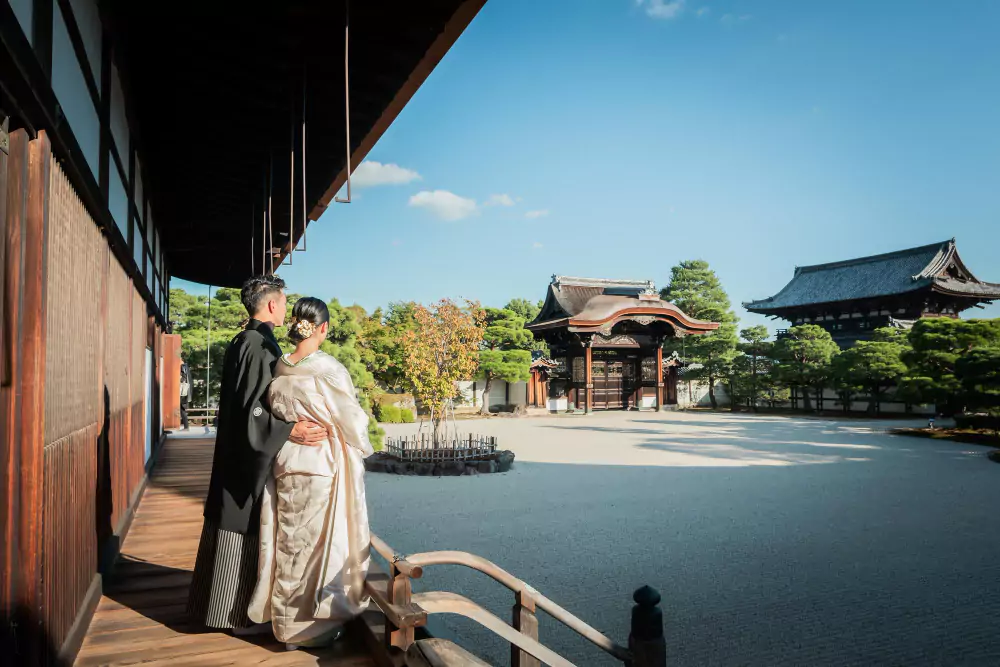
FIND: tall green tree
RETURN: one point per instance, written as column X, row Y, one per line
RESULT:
column 804, row 359
column 738, row 379
column 381, row 343
column 505, row 350
column 190, row 315
column 528, row 311
column 937, row 343
column 756, row 347
column 525, row 308
column 873, row 365
column 979, row 372
column 695, row 289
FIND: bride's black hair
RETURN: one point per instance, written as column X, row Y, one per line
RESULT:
column 307, row 309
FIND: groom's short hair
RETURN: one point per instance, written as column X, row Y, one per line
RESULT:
column 257, row 290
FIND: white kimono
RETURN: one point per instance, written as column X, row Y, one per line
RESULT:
column 314, row 536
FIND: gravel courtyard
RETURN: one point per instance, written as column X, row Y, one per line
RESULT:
column 773, row 540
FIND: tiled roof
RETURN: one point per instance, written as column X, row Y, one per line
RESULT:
column 879, row 275
column 568, row 297
column 591, row 302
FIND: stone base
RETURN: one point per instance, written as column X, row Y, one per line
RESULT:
column 381, row 462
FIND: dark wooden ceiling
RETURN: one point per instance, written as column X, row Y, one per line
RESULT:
column 214, row 93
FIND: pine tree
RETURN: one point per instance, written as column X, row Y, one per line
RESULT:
column 937, row 343
column 505, row 353
column 696, row 290
column 873, row 365
column 805, row 357
column 756, row 347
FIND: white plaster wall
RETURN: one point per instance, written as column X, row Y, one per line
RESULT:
column 695, row 394
column 498, row 393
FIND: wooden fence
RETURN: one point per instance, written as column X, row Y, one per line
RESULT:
column 421, row 447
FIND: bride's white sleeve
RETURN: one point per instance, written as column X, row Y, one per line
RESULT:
column 338, row 394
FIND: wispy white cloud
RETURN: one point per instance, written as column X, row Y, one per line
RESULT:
column 500, row 200
column 370, row 173
column 662, row 9
column 703, row 11
column 540, row 213
column 536, row 245
column 733, row 19
column 444, row 205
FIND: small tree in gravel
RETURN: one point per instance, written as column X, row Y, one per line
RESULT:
column 441, row 349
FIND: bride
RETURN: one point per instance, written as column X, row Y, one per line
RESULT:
column 314, row 519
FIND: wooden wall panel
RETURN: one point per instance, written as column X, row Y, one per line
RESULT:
column 76, row 257
column 69, row 547
column 118, row 380
column 77, row 268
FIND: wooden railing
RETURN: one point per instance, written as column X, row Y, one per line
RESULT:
column 203, row 416
column 405, row 611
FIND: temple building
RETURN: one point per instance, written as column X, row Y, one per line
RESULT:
column 606, row 339
column 852, row 298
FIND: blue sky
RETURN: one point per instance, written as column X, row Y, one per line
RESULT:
column 614, row 138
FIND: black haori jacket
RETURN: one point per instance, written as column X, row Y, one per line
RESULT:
column 248, row 437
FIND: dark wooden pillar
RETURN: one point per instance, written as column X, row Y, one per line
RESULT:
column 29, row 409
column 659, row 376
column 15, row 194
column 589, row 376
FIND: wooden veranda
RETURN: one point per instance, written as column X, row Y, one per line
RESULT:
column 141, row 617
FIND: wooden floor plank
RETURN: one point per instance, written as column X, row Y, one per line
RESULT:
column 141, row 618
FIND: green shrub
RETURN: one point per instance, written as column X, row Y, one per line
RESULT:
column 984, row 422
column 390, row 414
column 376, row 436
column 406, row 416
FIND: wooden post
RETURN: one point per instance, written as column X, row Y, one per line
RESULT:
column 589, row 377
column 398, row 592
column 15, row 201
column 526, row 623
column 645, row 641
column 32, row 392
column 659, row 377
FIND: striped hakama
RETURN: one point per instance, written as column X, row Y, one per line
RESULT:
column 225, row 574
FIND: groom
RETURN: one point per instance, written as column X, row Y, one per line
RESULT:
column 246, row 444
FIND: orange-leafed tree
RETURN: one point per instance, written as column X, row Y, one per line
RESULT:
column 441, row 349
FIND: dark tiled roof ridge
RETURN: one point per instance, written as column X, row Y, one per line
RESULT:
column 941, row 246
column 580, row 281
column 898, row 272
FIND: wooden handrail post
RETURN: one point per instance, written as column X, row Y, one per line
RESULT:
column 399, row 592
column 645, row 641
column 526, row 623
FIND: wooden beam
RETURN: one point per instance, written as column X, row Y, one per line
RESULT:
column 449, row 34
column 589, row 377
column 41, row 34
